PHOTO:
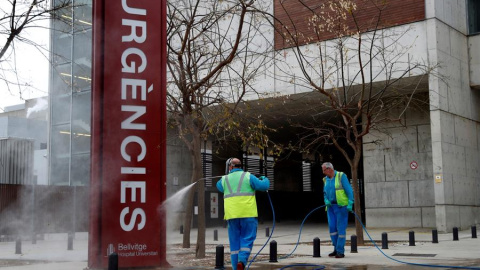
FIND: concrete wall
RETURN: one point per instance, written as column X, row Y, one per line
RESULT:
column 406, row 46
column 395, row 194
column 474, row 57
column 455, row 116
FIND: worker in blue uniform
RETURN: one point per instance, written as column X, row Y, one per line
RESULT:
column 240, row 205
column 338, row 197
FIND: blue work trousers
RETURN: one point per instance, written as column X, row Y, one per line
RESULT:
column 241, row 234
column 337, row 224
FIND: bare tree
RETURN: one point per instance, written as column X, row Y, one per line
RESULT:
column 16, row 18
column 215, row 51
column 358, row 69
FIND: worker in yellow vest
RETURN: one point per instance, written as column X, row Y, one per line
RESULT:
column 238, row 188
column 338, row 197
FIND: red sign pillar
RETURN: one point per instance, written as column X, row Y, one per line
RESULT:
column 128, row 153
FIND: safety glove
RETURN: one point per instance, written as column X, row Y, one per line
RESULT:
column 327, row 203
column 350, row 206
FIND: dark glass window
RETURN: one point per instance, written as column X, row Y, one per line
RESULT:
column 473, row 16
column 60, row 110
column 83, row 15
column 61, row 80
column 83, row 59
column 61, row 47
column 81, row 123
column 60, row 153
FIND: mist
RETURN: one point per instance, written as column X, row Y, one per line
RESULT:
column 174, row 207
column 41, row 104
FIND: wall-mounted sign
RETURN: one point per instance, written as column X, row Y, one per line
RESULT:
column 413, row 165
column 214, row 205
column 438, row 178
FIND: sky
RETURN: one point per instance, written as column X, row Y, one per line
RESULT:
column 32, row 66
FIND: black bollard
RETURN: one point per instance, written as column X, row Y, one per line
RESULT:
column 435, row 236
column 70, row 241
column 219, row 256
column 455, row 234
column 18, row 246
column 267, row 231
column 181, row 229
column 316, row 247
column 215, row 235
column 353, row 243
column 113, row 261
column 411, row 238
column 474, row 231
column 384, row 240
column 273, row 251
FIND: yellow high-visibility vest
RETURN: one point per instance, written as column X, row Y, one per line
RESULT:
column 342, row 198
column 239, row 196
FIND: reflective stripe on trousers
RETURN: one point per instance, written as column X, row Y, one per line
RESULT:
column 337, row 225
column 241, row 234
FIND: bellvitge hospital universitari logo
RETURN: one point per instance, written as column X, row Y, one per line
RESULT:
column 130, row 250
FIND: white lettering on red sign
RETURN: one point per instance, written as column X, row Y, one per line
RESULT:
column 134, row 61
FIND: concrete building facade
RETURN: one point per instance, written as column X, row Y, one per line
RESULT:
column 454, row 112
column 443, row 190
column 423, row 172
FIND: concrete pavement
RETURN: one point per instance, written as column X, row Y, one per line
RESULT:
column 51, row 253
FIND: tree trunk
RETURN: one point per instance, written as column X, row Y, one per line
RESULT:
column 198, row 174
column 199, row 188
column 357, row 201
column 187, row 222
column 194, row 147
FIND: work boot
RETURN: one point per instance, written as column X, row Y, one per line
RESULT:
column 240, row 266
column 339, row 255
column 333, row 254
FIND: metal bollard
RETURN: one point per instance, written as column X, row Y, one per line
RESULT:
column 273, row 251
column 215, row 235
column 384, row 240
column 316, row 247
column 181, row 229
column 113, row 261
column 455, row 234
column 474, row 231
column 34, row 238
column 18, row 246
column 435, row 236
column 411, row 238
column 219, row 256
column 267, row 231
column 70, row 241
column 353, row 243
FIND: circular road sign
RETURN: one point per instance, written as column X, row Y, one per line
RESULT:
column 413, row 165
